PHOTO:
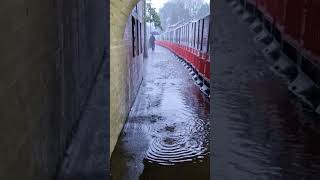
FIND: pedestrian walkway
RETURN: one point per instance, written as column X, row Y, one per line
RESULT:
column 258, row 130
column 166, row 134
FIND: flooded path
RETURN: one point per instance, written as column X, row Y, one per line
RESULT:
column 166, row 136
column 258, row 124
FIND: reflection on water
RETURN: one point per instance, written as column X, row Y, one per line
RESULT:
column 259, row 131
column 261, row 124
column 166, row 135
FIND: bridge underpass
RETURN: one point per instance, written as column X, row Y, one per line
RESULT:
column 169, row 104
column 48, row 77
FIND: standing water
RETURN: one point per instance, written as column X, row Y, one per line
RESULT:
column 166, row 136
column 259, row 131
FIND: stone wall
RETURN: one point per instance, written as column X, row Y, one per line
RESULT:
column 119, row 92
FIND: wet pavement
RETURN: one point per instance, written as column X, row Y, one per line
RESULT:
column 259, row 126
column 166, row 134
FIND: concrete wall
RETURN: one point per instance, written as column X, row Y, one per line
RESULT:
column 50, row 52
column 119, row 104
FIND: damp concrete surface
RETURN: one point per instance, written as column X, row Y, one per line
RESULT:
column 166, row 136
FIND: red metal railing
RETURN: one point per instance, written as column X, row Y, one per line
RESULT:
column 297, row 20
column 293, row 21
column 276, row 10
column 311, row 35
column 199, row 61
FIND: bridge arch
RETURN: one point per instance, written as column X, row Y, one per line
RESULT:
column 119, row 14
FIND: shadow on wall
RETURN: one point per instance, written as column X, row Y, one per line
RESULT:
column 49, row 62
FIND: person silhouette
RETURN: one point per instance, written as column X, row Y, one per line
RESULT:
column 152, row 42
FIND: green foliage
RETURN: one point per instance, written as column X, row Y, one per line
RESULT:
column 152, row 16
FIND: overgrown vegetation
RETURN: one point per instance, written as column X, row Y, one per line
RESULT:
column 153, row 17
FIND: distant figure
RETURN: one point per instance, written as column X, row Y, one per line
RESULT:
column 152, row 41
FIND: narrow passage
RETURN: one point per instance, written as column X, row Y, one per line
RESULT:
column 166, row 135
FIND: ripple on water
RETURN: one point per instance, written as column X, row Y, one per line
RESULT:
column 175, row 149
column 186, row 142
